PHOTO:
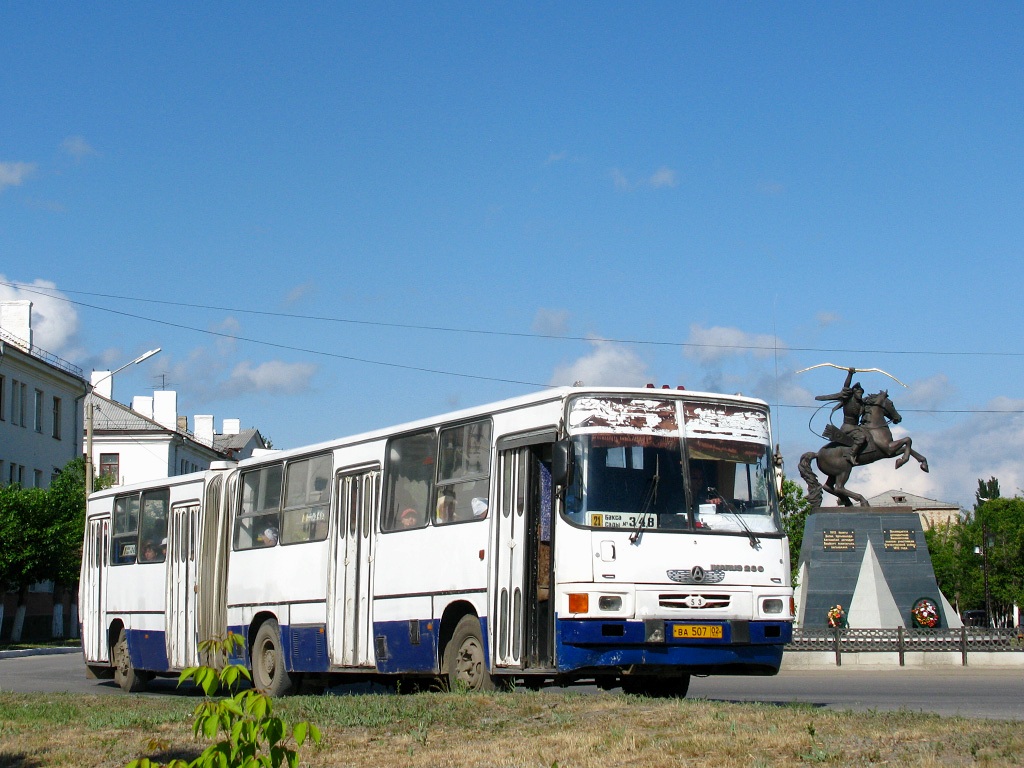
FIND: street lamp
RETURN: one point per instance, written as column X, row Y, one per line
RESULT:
column 88, row 416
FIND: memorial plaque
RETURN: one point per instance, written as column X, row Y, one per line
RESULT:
column 838, row 540
column 900, row 540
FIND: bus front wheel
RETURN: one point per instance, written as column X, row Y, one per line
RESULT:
column 465, row 662
column 268, row 670
column 128, row 677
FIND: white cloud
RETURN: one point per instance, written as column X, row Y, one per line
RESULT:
column 608, row 364
column 709, row 345
column 551, row 322
column 54, row 318
column 272, row 377
column 13, row 174
column 663, row 177
column 77, row 147
column 927, row 394
column 299, row 293
column 226, row 331
column 825, row 319
column 556, row 157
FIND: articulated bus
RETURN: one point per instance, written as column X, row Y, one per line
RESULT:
column 626, row 536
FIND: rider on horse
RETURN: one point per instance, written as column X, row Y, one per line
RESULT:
column 851, row 399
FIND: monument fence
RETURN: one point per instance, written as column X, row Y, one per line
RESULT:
column 902, row 640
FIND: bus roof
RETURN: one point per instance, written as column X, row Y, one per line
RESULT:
column 465, row 414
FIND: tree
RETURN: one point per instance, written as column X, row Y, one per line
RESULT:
column 41, row 535
column 795, row 508
column 996, row 531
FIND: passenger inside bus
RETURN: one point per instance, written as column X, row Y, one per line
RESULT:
column 409, row 518
column 269, row 537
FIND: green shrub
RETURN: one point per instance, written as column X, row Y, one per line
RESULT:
column 250, row 735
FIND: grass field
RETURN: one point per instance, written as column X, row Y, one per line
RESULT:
column 511, row 729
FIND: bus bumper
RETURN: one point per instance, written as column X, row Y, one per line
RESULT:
column 743, row 647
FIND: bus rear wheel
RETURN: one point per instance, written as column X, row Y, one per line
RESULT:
column 128, row 677
column 656, row 686
column 268, row 669
column 465, row 662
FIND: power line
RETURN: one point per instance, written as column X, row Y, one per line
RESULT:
column 289, row 347
column 482, row 332
column 420, row 369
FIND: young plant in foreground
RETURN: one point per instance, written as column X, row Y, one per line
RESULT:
column 251, row 735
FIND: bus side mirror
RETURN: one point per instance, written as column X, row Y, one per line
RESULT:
column 562, row 463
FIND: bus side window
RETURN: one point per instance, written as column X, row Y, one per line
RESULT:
column 153, row 526
column 124, row 547
column 464, row 473
column 307, row 499
column 258, row 523
column 410, row 480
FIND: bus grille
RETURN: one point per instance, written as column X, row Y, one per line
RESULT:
column 693, row 601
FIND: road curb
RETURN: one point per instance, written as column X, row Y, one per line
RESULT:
column 37, row 652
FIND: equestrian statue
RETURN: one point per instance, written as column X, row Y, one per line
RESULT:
column 863, row 438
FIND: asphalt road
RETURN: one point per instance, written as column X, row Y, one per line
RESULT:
column 954, row 690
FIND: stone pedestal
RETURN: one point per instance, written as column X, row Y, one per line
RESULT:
column 871, row 560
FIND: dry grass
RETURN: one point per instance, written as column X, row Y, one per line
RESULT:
column 538, row 730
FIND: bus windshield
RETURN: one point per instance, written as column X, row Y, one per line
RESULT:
column 671, row 465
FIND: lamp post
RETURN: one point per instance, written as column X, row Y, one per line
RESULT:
column 88, row 417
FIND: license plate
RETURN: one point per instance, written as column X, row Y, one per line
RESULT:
column 705, row 631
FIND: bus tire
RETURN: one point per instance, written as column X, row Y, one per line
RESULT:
column 268, row 669
column 464, row 660
column 128, row 677
column 656, row 686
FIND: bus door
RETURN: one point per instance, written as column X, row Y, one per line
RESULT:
column 521, row 600
column 212, row 566
column 182, row 548
column 349, row 623
column 94, row 590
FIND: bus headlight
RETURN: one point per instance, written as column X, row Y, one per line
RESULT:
column 771, row 605
column 609, row 603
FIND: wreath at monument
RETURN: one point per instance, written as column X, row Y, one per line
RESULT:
column 925, row 613
column 836, row 616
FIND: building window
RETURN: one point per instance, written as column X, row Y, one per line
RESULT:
column 17, row 417
column 56, row 417
column 3, row 400
column 37, row 412
column 110, row 465
column 37, row 478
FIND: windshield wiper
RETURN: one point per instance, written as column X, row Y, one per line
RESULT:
column 755, row 543
column 650, row 499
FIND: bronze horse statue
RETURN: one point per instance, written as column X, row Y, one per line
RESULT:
column 834, row 458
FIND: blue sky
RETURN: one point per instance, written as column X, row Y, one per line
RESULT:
column 335, row 217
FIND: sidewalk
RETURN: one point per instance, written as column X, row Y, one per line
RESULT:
column 39, row 652
column 876, row 659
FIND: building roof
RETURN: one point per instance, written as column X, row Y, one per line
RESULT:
column 111, row 416
column 238, row 441
column 19, row 344
column 894, row 498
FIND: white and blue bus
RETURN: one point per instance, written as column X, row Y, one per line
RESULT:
column 630, row 536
